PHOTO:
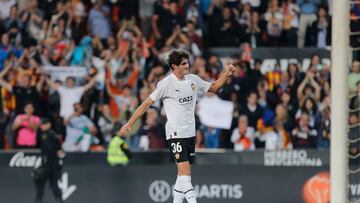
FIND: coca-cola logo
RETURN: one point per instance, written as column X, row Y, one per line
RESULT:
column 22, row 160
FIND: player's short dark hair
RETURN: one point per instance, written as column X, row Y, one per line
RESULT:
column 176, row 56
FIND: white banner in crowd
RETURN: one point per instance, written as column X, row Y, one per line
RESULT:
column 214, row 112
column 62, row 72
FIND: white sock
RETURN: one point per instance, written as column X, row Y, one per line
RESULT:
column 187, row 188
column 178, row 193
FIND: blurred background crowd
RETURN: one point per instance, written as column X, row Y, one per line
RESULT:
column 87, row 65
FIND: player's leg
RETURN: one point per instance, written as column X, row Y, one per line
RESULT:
column 183, row 151
column 184, row 181
column 176, row 151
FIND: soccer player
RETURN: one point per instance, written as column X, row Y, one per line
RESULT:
column 178, row 92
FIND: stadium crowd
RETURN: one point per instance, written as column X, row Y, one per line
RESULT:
column 122, row 46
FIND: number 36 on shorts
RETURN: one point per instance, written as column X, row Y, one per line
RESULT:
column 176, row 147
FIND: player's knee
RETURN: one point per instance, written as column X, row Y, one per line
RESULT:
column 184, row 168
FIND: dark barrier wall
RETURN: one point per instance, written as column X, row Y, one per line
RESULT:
column 218, row 177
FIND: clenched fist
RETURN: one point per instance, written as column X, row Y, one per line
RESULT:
column 230, row 69
column 124, row 131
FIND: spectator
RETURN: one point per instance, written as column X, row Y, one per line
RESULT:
column 164, row 20
column 283, row 118
column 33, row 19
column 324, row 131
column 266, row 98
column 26, row 126
column 146, row 11
column 355, row 99
column 256, row 4
column 244, row 18
column 284, row 139
column 211, row 137
column 274, row 18
column 354, row 76
column 252, row 110
column 254, row 75
column 106, row 124
column 78, row 126
column 5, row 8
column 253, row 31
column 274, row 137
column 13, row 21
column 308, row 88
column 229, row 30
column 69, row 95
column 194, row 37
column 98, row 20
column 176, row 40
column 243, row 136
column 24, row 90
column 304, row 136
column 308, row 10
column 314, row 116
column 153, row 135
column 215, row 15
column 321, row 30
column 214, row 67
column 291, row 22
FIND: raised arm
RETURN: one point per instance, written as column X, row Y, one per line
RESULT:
column 5, row 70
column 226, row 74
column 137, row 114
column 301, row 87
column 51, row 83
column 317, row 88
column 171, row 39
column 90, row 84
column 3, row 82
column 108, row 88
column 40, row 83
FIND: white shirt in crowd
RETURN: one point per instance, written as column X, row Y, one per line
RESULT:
column 253, row 3
column 68, row 97
column 5, row 7
column 250, row 133
column 74, row 130
column 179, row 98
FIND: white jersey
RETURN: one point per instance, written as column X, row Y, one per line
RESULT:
column 179, row 98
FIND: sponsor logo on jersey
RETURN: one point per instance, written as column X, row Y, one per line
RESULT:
column 186, row 100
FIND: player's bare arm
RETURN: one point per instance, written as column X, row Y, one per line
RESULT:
column 137, row 114
column 226, row 74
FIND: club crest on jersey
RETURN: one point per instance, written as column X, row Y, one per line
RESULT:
column 177, row 156
column 193, row 86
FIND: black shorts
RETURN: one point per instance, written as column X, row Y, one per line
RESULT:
column 182, row 149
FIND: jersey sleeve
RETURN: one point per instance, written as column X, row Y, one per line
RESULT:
column 159, row 92
column 202, row 84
